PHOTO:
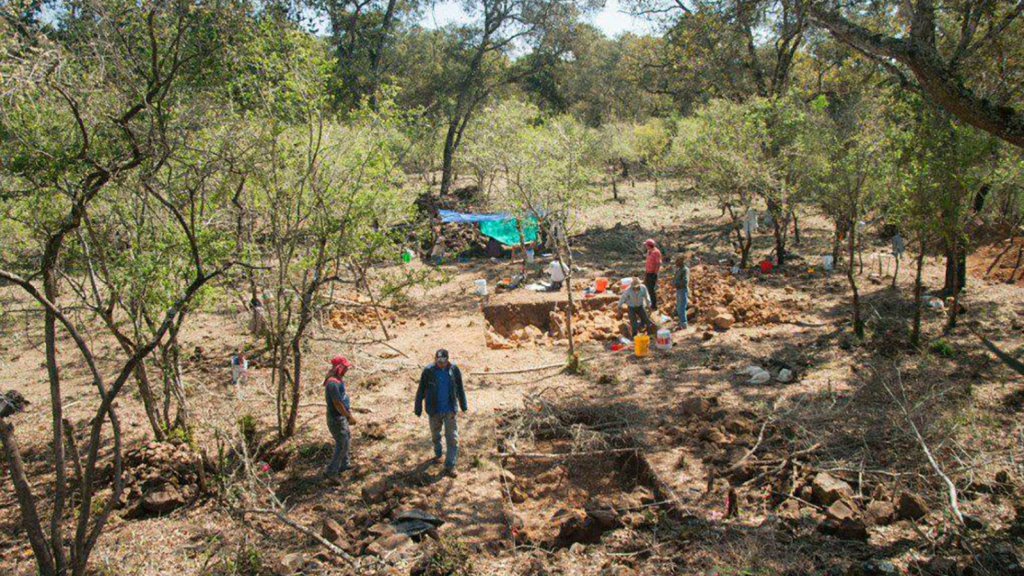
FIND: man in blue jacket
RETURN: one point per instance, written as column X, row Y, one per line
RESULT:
column 442, row 392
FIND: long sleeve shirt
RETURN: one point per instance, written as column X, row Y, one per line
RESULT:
column 681, row 281
column 635, row 298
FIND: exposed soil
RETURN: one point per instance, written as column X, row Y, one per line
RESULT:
column 722, row 488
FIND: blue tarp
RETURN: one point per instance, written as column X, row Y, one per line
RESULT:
column 501, row 226
column 467, row 218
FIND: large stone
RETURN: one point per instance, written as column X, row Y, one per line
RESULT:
column 496, row 341
column 852, row 529
column 585, row 527
column 827, row 489
column 332, row 531
column 841, row 510
column 911, row 507
column 695, row 406
column 162, row 501
column 289, row 564
column 394, row 546
column 739, row 425
column 723, row 321
column 375, row 493
column 880, row 513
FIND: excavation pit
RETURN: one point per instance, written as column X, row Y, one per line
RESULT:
column 573, row 473
column 543, row 321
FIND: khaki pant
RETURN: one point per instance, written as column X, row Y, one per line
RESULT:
column 451, row 436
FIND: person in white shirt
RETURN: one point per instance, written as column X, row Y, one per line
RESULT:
column 557, row 271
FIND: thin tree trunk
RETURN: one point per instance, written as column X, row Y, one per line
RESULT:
column 796, row 227
column 858, row 324
column 896, row 271
column 26, row 502
column 448, row 159
column 57, row 413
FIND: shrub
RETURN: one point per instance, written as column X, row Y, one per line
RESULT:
column 942, row 347
column 450, row 557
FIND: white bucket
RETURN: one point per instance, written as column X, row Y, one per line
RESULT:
column 663, row 341
column 481, row 287
column 529, row 255
column 626, row 283
column 826, row 262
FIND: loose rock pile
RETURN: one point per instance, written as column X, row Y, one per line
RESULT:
column 800, row 493
column 161, row 477
column 357, row 312
column 722, row 300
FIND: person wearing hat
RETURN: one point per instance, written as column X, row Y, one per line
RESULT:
column 652, row 265
column 339, row 416
column 441, row 391
column 636, row 300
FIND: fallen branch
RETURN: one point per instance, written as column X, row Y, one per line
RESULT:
column 525, row 370
column 519, row 371
column 954, row 503
column 332, row 547
column 554, row 455
column 760, row 438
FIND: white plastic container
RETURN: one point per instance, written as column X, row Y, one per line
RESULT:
column 663, row 341
column 626, row 283
column 481, row 286
column 529, row 255
column 827, row 263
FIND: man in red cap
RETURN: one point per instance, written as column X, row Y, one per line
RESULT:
column 339, row 416
column 652, row 265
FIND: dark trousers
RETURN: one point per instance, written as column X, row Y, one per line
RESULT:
column 651, row 281
column 638, row 317
column 342, row 435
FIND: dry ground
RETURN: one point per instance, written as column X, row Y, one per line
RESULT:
column 834, row 402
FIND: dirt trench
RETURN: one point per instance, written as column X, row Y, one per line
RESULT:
column 506, row 318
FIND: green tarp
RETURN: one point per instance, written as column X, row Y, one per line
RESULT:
column 505, row 231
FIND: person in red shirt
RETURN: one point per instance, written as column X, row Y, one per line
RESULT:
column 652, row 265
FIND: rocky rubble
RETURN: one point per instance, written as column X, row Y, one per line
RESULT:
column 721, row 300
column 357, row 312
column 161, row 477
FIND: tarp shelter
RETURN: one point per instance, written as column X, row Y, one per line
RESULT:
column 501, row 226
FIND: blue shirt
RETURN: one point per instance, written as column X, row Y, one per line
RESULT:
column 334, row 389
column 443, row 400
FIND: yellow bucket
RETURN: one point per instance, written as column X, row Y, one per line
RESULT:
column 642, row 345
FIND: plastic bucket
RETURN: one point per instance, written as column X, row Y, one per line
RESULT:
column 529, row 255
column 600, row 285
column 481, row 287
column 406, row 256
column 827, row 262
column 766, row 267
column 642, row 345
column 626, row 283
column 663, row 341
